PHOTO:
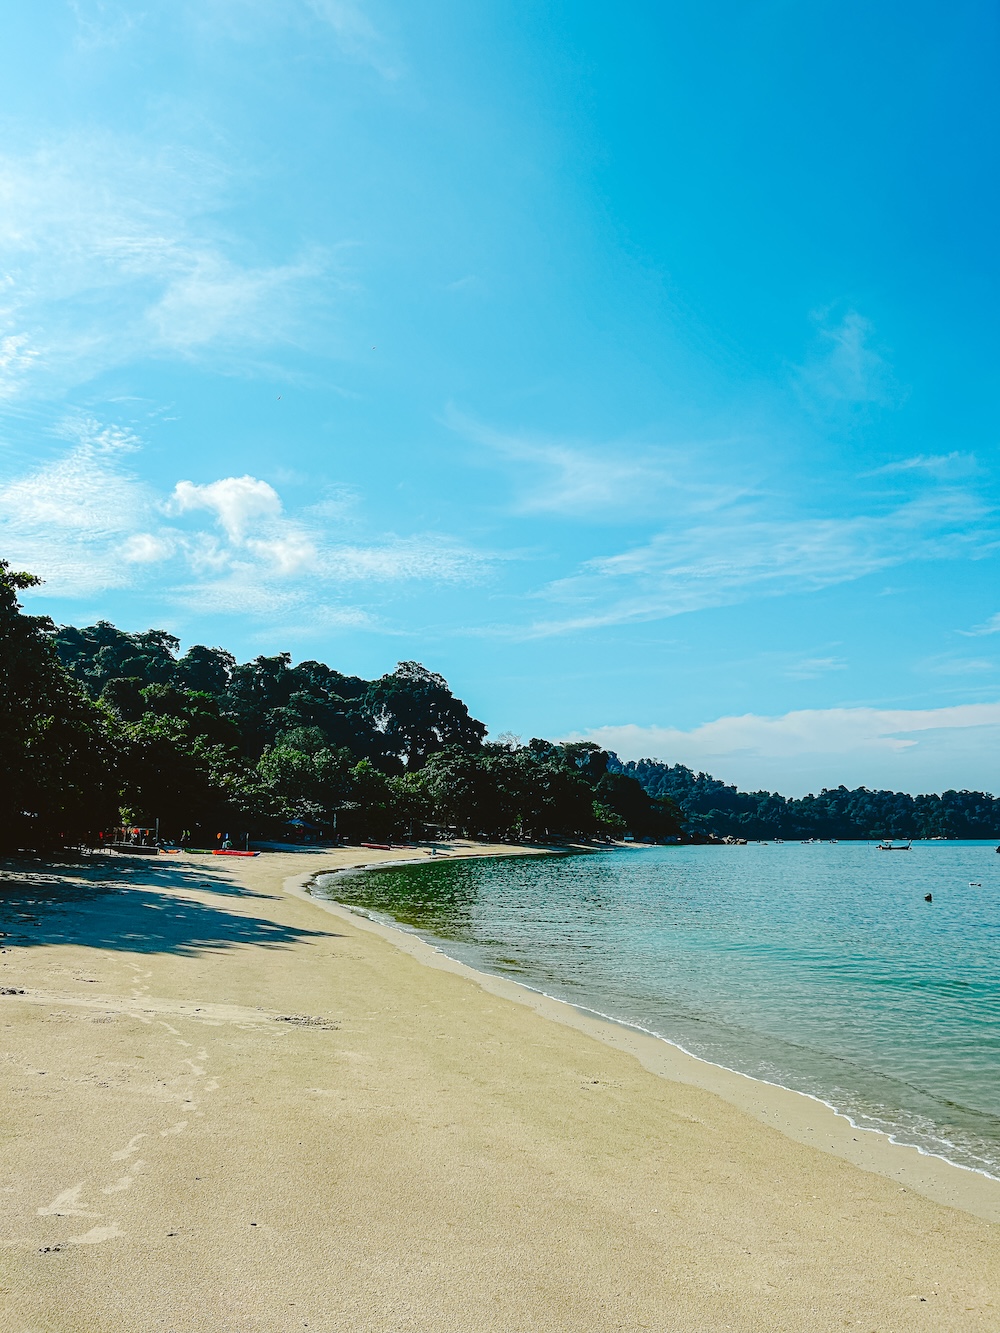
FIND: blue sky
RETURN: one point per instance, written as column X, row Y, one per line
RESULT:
column 637, row 370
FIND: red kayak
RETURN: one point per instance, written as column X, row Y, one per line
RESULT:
column 379, row 846
column 229, row 852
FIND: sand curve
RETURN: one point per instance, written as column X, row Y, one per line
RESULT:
column 226, row 1109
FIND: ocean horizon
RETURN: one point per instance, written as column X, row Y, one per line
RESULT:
column 816, row 967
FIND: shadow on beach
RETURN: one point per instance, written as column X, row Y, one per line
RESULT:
column 136, row 906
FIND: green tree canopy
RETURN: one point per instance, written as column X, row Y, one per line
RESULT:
column 417, row 714
column 57, row 756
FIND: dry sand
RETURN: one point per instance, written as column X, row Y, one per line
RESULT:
column 225, row 1109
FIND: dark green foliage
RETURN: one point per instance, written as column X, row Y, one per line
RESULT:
column 540, row 790
column 98, row 725
column 57, row 755
column 710, row 806
column 102, row 653
column 208, row 670
column 302, row 778
column 417, row 714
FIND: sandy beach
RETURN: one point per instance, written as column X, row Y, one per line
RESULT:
column 227, row 1106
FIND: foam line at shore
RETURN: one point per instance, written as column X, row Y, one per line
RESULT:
column 801, row 1116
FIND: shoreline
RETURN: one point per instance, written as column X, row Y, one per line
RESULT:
column 226, row 1111
column 808, row 1119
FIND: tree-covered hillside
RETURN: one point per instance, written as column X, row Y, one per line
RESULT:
column 100, row 727
column 711, row 806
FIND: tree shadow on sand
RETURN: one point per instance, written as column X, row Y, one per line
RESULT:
column 135, row 907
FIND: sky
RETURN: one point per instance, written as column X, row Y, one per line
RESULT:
column 635, row 368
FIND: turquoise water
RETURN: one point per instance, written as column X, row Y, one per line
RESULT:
column 819, row 967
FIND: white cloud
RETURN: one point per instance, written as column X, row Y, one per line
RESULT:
column 240, row 590
column 72, row 520
column 147, row 548
column 235, row 501
column 101, row 24
column 845, row 367
column 958, row 666
column 110, row 250
column 939, row 466
column 426, row 557
column 214, row 297
column 290, row 553
column 577, row 479
column 249, row 512
column 348, row 22
column 84, row 524
column 17, row 358
column 905, row 749
column 356, row 33
column 736, row 558
column 340, row 503
column 991, row 626
column 812, row 668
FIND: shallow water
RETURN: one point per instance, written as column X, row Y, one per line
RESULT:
column 819, row 967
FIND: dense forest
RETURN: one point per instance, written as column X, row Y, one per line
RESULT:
column 99, row 727
column 709, row 806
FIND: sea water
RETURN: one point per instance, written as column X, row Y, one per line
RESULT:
column 819, row 967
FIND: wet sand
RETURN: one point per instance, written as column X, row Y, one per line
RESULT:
column 225, row 1108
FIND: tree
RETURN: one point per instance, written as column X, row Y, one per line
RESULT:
column 301, row 778
column 255, row 690
column 417, row 714
column 57, row 757
column 208, row 670
column 102, row 653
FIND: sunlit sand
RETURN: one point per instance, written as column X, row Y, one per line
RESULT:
column 226, row 1108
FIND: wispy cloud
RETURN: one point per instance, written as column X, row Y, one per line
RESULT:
column 991, row 626
column 101, row 24
column 347, row 24
column 813, row 668
column 85, row 524
column 606, row 481
column 737, row 557
column 948, row 665
column 357, row 35
column 109, row 251
column 910, row 749
column 845, row 367
column 938, row 466
column 71, row 519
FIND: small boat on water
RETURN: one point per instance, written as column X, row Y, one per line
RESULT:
column 887, row 845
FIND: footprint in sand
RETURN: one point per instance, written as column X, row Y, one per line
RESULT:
column 96, row 1234
column 179, row 1128
column 175, row 1033
column 68, row 1204
column 131, row 1147
column 125, row 1182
